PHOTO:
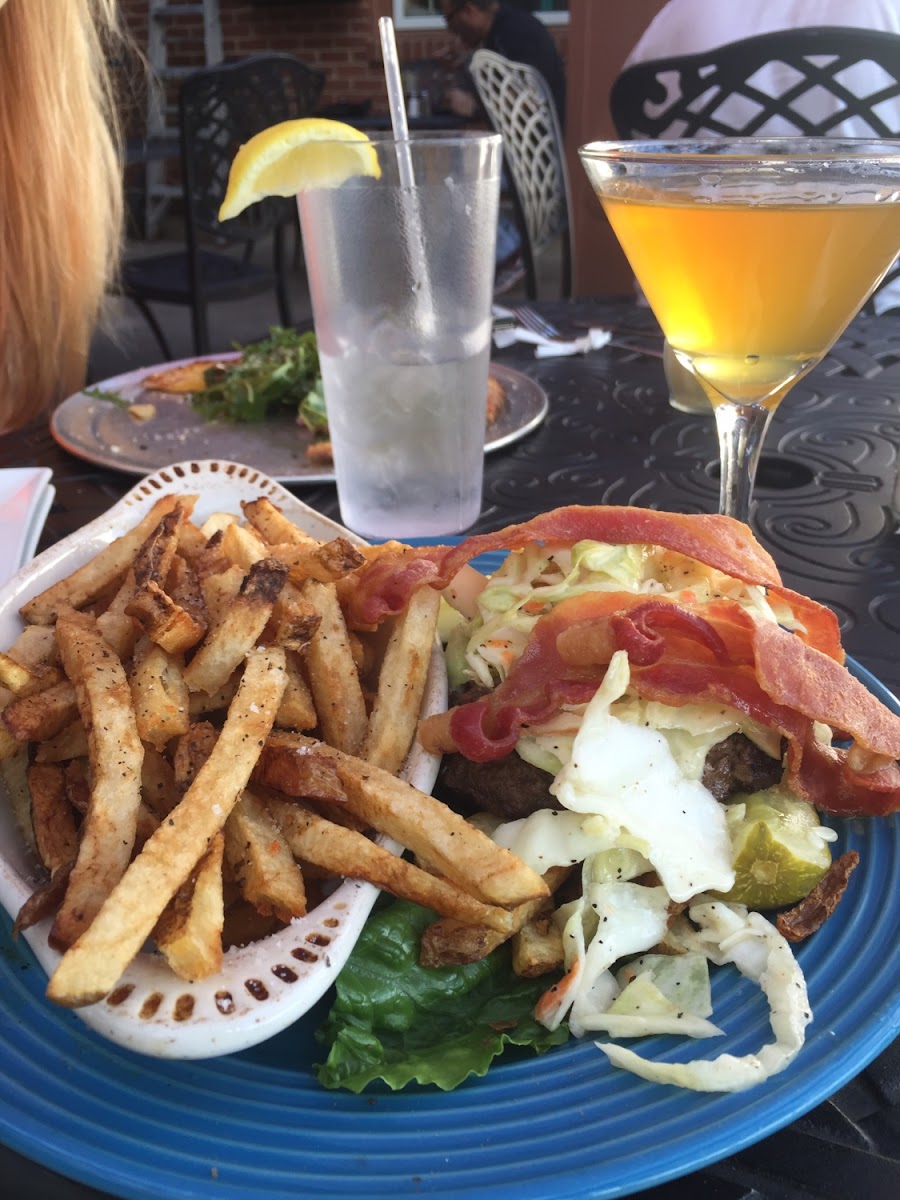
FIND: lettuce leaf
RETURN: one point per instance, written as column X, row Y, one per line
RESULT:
column 398, row 1022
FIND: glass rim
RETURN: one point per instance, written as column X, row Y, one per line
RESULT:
column 798, row 148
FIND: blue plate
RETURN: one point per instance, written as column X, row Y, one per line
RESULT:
column 560, row 1127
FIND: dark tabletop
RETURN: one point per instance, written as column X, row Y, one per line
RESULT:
column 826, row 509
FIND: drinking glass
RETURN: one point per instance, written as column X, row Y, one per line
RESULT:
column 754, row 254
column 401, row 271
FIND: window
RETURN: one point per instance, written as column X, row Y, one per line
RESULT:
column 426, row 14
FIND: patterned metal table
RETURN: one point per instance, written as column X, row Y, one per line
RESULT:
column 826, row 508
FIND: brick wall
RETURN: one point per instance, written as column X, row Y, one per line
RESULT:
column 338, row 36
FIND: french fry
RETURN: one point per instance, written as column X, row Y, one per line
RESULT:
column 219, row 590
column 325, row 562
column 22, row 680
column 261, row 860
column 155, row 555
column 42, row 902
column 192, row 751
column 292, row 765
column 271, row 523
column 449, row 942
column 297, row 710
column 14, row 773
column 34, row 649
column 9, row 745
column 163, row 620
column 231, row 638
column 442, row 839
column 115, row 753
column 333, row 678
column 217, row 701
column 401, row 683
column 189, row 931
column 537, row 948
column 158, row 787
column 183, row 586
column 41, row 715
column 352, row 855
column 70, row 742
column 117, row 627
column 243, row 546
column 78, row 789
column 55, row 833
column 294, row 621
column 159, row 695
column 107, row 567
column 217, row 523
column 92, row 966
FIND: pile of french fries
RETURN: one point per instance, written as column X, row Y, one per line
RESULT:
column 195, row 745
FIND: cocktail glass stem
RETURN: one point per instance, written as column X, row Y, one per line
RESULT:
column 741, row 429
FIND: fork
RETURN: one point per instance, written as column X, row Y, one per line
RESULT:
column 535, row 322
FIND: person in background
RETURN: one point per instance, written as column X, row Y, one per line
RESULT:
column 694, row 26
column 513, row 32
column 61, row 196
column 520, row 37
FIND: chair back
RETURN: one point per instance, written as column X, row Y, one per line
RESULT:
column 813, row 82
column 823, row 77
column 520, row 107
column 222, row 107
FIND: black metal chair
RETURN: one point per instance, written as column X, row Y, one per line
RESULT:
column 520, row 107
column 801, row 81
column 220, row 108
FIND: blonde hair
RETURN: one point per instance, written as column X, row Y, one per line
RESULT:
column 60, row 196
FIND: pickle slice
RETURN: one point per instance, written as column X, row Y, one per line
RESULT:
column 779, row 848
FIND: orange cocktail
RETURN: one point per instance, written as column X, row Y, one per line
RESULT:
column 754, row 254
column 756, row 294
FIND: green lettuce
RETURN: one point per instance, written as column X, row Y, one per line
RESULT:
column 398, row 1022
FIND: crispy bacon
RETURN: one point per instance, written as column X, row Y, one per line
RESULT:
column 382, row 587
column 677, row 657
column 814, row 910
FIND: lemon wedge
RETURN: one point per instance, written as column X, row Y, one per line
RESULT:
column 293, row 156
column 779, row 847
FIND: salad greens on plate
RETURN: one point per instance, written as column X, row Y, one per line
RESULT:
column 276, row 375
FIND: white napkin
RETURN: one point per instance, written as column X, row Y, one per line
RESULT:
column 25, row 498
column 593, row 339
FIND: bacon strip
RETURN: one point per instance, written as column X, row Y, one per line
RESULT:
column 383, row 586
column 678, row 657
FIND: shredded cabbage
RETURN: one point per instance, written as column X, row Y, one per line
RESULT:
column 729, row 933
column 626, row 778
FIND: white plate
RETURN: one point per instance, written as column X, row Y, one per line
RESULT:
column 102, row 432
column 25, row 499
column 271, row 982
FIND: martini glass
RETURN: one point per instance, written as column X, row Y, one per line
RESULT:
column 754, row 254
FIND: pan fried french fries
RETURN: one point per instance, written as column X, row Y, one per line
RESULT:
column 451, row 942
column 188, row 729
column 115, row 753
column 105, row 569
column 401, row 683
column 92, row 966
column 189, row 930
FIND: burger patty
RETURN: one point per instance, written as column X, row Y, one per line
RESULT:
column 512, row 788
column 508, row 787
column 738, row 765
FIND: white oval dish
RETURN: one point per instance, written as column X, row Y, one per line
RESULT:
column 267, row 985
